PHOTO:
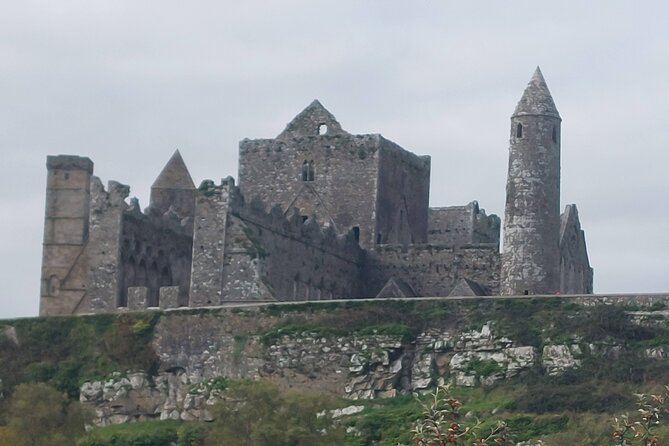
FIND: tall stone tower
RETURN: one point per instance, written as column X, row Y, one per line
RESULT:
column 66, row 224
column 530, row 258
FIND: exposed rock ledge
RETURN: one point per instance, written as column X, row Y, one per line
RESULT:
column 356, row 367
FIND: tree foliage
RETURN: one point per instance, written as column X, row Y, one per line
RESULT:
column 40, row 415
column 257, row 413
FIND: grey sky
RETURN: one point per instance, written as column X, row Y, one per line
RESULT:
column 127, row 82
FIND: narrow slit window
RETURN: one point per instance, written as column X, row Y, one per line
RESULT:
column 519, row 131
column 305, row 171
column 310, row 171
column 554, row 136
column 356, row 233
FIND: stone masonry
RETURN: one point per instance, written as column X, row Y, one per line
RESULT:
column 319, row 213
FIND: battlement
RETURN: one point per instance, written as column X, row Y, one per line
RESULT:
column 69, row 162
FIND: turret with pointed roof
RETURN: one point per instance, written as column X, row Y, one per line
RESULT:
column 174, row 188
column 536, row 99
column 531, row 257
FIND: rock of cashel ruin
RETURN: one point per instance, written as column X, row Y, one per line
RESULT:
column 316, row 213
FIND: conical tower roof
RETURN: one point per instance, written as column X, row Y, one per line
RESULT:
column 312, row 121
column 537, row 99
column 174, row 175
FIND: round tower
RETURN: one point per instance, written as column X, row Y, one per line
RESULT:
column 530, row 258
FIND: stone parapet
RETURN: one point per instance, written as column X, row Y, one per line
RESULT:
column 137, row 298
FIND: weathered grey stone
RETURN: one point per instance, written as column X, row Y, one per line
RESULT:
column 558, row 358
column 319, row 214
column 462, row 225
column 137, row 298
column 346, row 411
column 530, row 261
column 169, row 297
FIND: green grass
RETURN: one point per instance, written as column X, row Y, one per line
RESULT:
column 147, row 433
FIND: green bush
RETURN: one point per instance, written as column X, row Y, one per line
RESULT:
column 65, row 351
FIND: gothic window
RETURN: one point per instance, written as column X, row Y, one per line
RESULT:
column 554, row 137
column 308, row 170
column 519, row 131
column 305, row 171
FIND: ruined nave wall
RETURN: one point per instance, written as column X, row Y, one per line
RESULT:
column 432, row 270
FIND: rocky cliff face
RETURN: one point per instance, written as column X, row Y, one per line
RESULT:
column 196, row 351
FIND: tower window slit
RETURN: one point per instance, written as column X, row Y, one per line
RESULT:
column 519, row 131
column 308, row 170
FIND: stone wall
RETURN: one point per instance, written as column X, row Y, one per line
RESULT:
column 576, row 275
column 242, row 252
column 209, row 235
column 288, row 259
column 344, row 166
column 155, row 252
column 347, row 181
column 104, row 244
column 462, row 225
column 403, row 192
column 432, row 270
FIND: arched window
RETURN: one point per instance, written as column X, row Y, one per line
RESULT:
column 554, row 136
column 519, row 130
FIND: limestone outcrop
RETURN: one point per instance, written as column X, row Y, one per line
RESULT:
column 355, row 367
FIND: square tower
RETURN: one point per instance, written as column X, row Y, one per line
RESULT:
column 363, row 183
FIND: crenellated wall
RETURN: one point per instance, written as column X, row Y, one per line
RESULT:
column 300, row 260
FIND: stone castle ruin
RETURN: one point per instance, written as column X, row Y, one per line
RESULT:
column 318, row 213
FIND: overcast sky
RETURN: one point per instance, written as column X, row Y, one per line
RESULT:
column 128, row 82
